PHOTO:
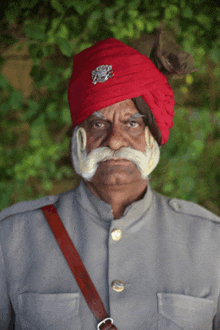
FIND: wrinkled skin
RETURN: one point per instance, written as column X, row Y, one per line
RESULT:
column 117, row 182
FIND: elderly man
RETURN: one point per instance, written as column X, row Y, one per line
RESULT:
column 140, row 260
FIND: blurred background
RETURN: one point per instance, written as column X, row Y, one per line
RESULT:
column 38, row 40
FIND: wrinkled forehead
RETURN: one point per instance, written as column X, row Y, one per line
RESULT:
column 122, row 110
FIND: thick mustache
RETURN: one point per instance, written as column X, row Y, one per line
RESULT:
column 114, row 156
column 103, row 154
column 86, row 164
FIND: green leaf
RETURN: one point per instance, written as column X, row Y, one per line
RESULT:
column 133, row 13
column 48, row 185
column 34, row 31
column 4, row 108
column 32, row 110
column 64, row 46
column 204, row 20
column 139, row 24
column 96, row 2
column 215, row 54
column 187, row 184
column 65, row 115
column 187, row 12
column 97, row 14
column 199, row 145
column 8, row 189
column 37, row 73
column 149, row 27
column 171, row 11
column 167, row 188
column 57, row 6
column 28, row 3
column 109, row 14
column 36, row 51
column 34, row 142
column 33, row 105
column 63, row 31
column 67, row 73
column 154, row 13
column 51, row 111
column 7, row 39
column 54, row 25
column 120, row 3
column 37, row 159
column 38, row 128
column 15, row 100
column 12, row 11
column 79, row 5
column 120, row 15
column 4, row 84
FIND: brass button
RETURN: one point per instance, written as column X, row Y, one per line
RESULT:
column 117, row 286
column 116, row 234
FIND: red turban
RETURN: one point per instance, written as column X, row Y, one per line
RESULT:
column 132, row 75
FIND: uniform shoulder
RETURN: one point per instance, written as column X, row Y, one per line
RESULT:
column 191, row 208
column 28, row 206
column 36, row 204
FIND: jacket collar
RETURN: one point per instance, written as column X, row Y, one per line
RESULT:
column 103, row 211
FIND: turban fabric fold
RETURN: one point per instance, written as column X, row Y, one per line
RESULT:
column 134, row 74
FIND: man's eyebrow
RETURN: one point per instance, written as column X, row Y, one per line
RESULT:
column 136, row 115
column 100, row 115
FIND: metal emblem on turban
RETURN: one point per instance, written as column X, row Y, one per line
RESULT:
column 102, row 73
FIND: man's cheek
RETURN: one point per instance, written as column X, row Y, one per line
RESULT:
column 93, row 143
column 90, row 147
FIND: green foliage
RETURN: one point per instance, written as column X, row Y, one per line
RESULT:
column 190, row 163
column 36, row 130
column 15, row 100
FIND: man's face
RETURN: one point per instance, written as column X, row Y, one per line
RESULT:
column 116, row 129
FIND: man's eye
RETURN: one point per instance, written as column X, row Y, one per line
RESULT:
column 133, row 124
column 96, row 124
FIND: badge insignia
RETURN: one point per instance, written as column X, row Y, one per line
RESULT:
column 102, row 73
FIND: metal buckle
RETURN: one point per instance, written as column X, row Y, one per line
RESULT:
column 103, row 321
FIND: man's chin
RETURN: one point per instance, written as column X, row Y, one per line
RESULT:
column 117, row 171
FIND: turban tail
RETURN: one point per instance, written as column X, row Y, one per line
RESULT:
column 134, row 75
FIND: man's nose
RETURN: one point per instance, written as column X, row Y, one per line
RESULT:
column 116, row 138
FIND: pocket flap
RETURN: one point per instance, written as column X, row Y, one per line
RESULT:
column 190, row 313
column 43, row 310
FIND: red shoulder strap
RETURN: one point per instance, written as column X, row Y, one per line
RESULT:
column 78, row 269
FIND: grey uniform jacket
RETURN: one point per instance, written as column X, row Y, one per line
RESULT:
column 168, row 259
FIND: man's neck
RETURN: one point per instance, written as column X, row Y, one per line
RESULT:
column 118, row 196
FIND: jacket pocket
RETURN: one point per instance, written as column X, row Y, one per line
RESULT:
column 187, row 312
column 49, row 311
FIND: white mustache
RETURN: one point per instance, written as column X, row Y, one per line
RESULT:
column 103, row 154
column 87, row 164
